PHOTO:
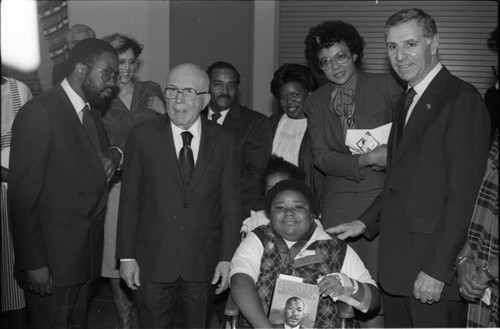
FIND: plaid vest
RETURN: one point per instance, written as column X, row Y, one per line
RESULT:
column 271, row 266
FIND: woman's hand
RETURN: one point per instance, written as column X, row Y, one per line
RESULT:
column 468, row 282
column 155, row 104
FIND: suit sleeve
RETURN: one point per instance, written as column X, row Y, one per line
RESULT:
column 32, row 134
column 330, row 161
column 466, row 141
column 258, row 150
column 231, row 205
column 130, row 199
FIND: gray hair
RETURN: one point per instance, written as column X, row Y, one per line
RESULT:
column 424, row 21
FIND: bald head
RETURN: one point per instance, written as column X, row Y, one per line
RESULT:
column 191, row 73
column 189, row 83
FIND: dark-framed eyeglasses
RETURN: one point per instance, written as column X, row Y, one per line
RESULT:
column 294, row 96
column 326, row 63
column 189, row 94
column 106, row 73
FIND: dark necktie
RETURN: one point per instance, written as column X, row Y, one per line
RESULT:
column 400, row 124
column 186, row 159
column 89, row 126
column 216, row 116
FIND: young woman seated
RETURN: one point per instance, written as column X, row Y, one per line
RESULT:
column 277, row 248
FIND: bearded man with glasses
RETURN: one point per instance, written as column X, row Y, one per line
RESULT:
column 60, row 164
column 180, row 208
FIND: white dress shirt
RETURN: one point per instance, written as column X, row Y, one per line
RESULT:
column 195, row 130
column 223, row 115
column 75, row 99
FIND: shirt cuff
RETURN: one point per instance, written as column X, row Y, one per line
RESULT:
column 121, row 156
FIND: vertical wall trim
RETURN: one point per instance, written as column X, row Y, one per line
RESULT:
column 263, row 55
column 158, row 40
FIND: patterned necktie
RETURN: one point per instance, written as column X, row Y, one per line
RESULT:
column 216, row 116
column 186, row 159
column 401, row 121
column 89, row 126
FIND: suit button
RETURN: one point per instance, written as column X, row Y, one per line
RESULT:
column 391, row 191
column 180, row 229
column 185, row 204
column 81, row 194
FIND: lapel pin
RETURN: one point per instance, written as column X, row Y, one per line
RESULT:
column 428, row 106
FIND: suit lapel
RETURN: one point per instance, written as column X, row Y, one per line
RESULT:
column 165, row 131
column 422, row 111
column 73, row 127
column 205, row 152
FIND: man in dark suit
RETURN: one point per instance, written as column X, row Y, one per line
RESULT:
column 436, row 158
column 249, row 128
column 59, row 165
column 180, row 208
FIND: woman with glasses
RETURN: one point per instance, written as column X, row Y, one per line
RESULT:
column 291, row 86
column 137, row 101
column 351, row 99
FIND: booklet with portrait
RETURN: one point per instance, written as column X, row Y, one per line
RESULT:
column 294, row 302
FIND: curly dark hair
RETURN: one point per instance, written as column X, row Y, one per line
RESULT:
column 293, row 73
column 122, row 43
column 278, row 165
column 291, row 185
column 326, row 34
column 87, row 51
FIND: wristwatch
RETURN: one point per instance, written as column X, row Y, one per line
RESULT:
column 486, row 272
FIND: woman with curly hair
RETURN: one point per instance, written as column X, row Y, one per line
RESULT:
column 291, row 86
column 351, row 99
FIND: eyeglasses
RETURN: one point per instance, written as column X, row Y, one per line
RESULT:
column 326, row 63
column 106, row 74
column 189, row 94
column 294, row 96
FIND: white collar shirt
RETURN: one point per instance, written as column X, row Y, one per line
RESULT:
column 421, row 87
column 195, row 130
column 223, row 115
column 75, row 99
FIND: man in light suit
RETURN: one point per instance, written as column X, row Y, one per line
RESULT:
column 432, row 179
column 57, row 188
column 179, row 216
column 250, row 130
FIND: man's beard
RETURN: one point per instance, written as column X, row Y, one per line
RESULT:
column 94, row 97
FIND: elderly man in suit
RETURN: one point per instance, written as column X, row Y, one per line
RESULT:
column 59, row 165
column 180, row 208
column 436, row 158
column 250, row 130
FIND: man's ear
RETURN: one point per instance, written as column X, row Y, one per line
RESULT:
column 80, row 70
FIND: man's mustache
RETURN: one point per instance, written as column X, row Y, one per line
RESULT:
column 224, row 96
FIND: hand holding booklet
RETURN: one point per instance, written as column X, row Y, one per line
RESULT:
column 362, row 141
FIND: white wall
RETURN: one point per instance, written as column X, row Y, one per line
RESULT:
column 146, row 21
column 264, row 54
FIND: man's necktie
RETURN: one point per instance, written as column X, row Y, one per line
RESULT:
column 216, row 116
column 89, row 126
column 400, row 124
column 186, row 159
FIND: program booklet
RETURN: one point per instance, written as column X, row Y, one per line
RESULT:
column 294, row 302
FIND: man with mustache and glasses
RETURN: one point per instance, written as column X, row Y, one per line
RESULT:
column 60, row 163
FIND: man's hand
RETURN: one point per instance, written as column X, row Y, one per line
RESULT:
column 468, row 284
column 427, row 289
column 378, row 157
column 222, row 272
column 39, row 281
column 155, row 104
column 348, row 230
column 129, row 272
column 110, row 160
